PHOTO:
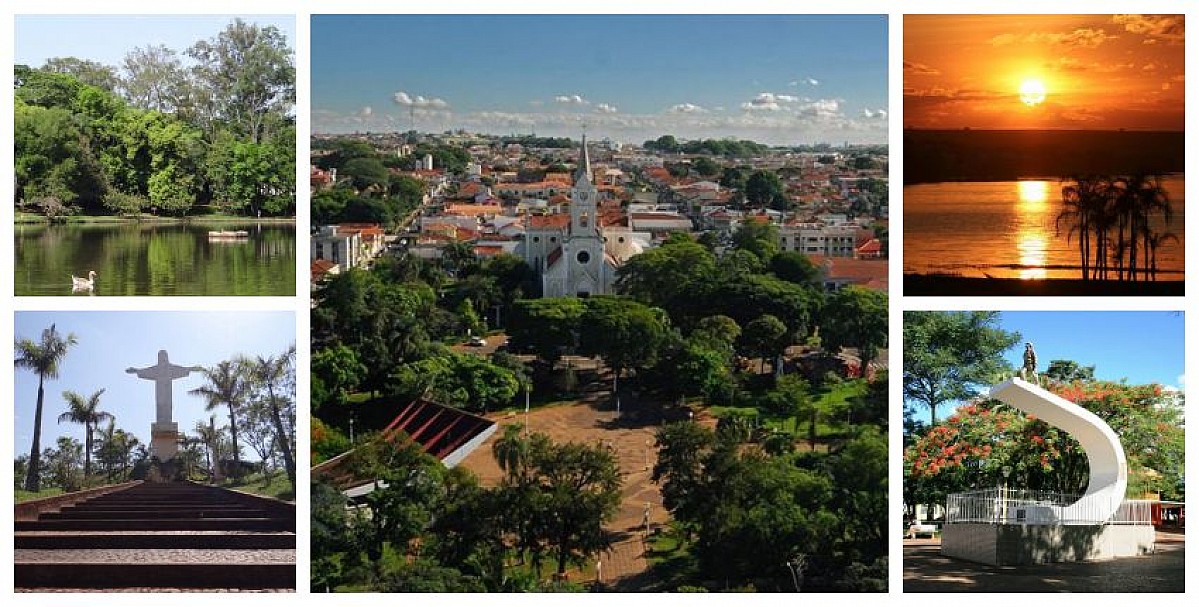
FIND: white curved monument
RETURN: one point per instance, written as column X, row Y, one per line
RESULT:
column 164, row 432
column 1105, row 455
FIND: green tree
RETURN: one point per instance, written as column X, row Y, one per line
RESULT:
column 765, row 337
column 946, row 355
column 793, row 266
column 855, row 317
column 1069, row 371
column 339, row 371
column 226, row 385
column 43, row 358
column 625, row 333
column 272, row 373
column 85, row 411
column 764, row 189
column 243, row 76
column 705, row 167
column 458, row 380
column 757, row 237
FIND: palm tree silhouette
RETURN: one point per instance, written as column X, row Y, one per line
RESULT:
column 270, row 373
column 43, row 358
column 85, row 411
column 1113, row 217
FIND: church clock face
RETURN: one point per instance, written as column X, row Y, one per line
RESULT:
column 583, row 257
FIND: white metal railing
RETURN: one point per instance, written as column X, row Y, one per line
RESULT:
column 1029, row 507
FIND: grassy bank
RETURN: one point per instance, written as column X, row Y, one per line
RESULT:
column 275, row 486
column 946, row 285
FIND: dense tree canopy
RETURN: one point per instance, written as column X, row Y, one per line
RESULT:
column 154, row 136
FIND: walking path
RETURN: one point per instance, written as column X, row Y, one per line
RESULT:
column 925, row 570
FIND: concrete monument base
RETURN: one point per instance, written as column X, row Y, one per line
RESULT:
column 164, row 440
column 997, row 544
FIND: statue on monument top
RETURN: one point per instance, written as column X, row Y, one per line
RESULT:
column 162, row 374
column 1029, row 372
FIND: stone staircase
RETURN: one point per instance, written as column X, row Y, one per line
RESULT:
column 159, row 535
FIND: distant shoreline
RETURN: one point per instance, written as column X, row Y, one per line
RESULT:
column 932, row 156
column 942, row 285
column 27, row 219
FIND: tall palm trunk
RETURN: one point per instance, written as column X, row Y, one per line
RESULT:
column 289, row 461
column 33, row 474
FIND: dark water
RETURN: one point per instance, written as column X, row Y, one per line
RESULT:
column 156, row 259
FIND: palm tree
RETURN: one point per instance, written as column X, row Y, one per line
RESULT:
column 269, row 373
column 42, row 358
column 210, row 437
column 85, row 411
column 226, row 386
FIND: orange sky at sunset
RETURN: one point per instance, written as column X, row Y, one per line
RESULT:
column 1096, row 72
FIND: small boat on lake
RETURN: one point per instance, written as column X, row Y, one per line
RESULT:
column 227, row 234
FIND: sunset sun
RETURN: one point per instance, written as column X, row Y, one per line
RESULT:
column 1032, row 92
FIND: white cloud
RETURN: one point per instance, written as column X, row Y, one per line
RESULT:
column 812, row 81
column 419, row 101
column 366, row 111
column 605, row 108
column 768, row 102
column 879, row 113
column 571, row 99
column 686, row 108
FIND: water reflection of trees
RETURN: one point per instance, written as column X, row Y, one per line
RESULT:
column 147, row 259
column 1112, row 219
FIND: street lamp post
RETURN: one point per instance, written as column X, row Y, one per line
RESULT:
column 1003, row 495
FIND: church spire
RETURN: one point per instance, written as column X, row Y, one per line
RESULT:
column 584, row 171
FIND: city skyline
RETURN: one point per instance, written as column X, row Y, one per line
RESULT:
column 780, row 80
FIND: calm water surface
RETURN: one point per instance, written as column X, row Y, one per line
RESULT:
column 156, row 259
column 1005, row 229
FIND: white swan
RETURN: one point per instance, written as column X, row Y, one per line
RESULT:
column 84, row 284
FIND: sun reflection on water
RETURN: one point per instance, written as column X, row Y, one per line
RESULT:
column 1032, row 239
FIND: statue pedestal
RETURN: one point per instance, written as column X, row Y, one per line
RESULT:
column 164, row 440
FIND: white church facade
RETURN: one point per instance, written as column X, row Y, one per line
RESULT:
column 578, row 257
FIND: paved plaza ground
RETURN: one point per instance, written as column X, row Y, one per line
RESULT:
column 925, row 570
column 592, row 420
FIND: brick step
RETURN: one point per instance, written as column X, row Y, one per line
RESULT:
column 92, row 507
column 65, row 540
column 202, row 573
column 208, row 524
column 196, row 513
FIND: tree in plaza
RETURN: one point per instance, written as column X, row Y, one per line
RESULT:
column 666, row 276
column 765, row 337
column 946, row 355
column 624, row 332
column 548, row 325
column 458, row 380
column 85, row 411
column 336, row 372
column 705, row 167
column 43, row 358
column 226, row 385
column 855, row 317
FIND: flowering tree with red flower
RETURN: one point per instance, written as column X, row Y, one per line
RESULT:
column 971, row 448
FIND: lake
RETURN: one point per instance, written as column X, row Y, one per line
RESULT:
column 156, row 258
column 1005, row 229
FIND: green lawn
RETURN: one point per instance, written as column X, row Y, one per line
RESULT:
column 25, row 496
column 276, row 487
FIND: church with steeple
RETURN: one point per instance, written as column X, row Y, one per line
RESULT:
column 572, row 258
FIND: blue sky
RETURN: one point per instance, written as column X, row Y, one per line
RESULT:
column 1140, row 347
column 778, row 79
column 110, row 342
column 1143, row 347
column 107, row 38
